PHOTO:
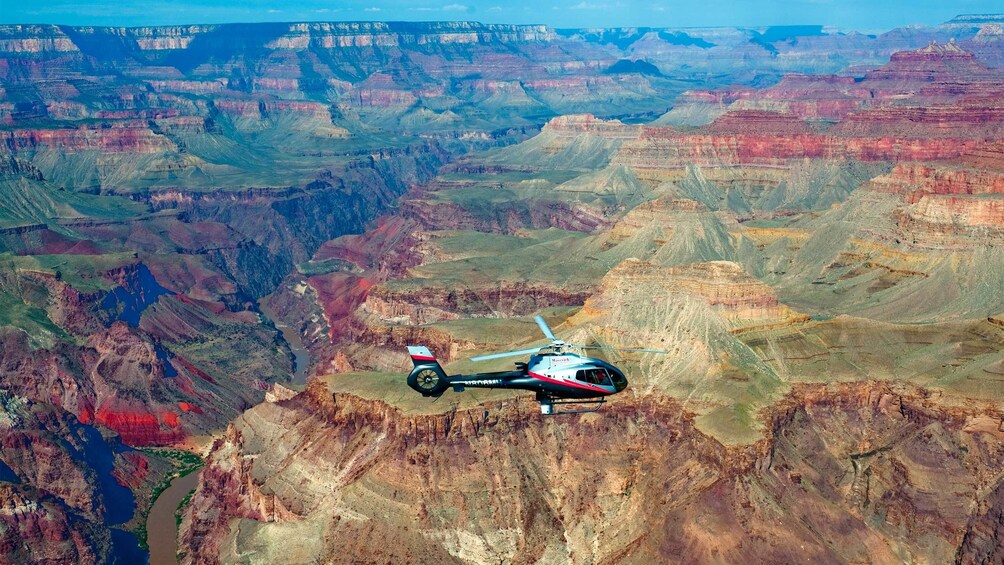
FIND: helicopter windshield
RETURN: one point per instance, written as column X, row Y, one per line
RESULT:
column 593, row 376
column 620, row 382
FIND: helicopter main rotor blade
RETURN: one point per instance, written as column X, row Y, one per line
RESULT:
column 507, row 354
column 636, row 349
column 544, row 327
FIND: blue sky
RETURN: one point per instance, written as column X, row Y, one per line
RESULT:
column 861, row 15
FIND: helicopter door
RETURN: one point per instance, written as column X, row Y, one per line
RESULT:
column 593, row 376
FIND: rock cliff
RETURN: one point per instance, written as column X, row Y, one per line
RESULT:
column 849, row 472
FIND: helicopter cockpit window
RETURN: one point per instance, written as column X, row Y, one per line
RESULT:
column 593, row 376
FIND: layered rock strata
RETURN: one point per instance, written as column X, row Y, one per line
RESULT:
column 860, row 464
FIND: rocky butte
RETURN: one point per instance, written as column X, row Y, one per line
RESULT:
column 808, row 220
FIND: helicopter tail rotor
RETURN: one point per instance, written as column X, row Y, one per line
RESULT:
column 428, row 376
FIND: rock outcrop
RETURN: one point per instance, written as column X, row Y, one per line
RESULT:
column 506, row 299
column 859, row 464
column 984, row 539
column 745, row 302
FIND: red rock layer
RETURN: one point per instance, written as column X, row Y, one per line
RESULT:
column 916, row 180
column 960, row 121
column 119, row 137
column 661, row 148
column 62, row 485
column 945, row 204
column 759, row 122
column 388, row 248
column 120, row 376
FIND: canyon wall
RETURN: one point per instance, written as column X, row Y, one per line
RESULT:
column 501, row 482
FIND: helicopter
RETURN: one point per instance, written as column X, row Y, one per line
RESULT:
column 558, row 376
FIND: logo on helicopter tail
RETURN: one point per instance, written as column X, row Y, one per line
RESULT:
column 484, row 382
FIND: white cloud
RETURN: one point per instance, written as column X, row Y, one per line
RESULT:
column 495, row 9
column 373, row 9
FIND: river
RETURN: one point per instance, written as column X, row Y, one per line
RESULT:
column 161, row 527
column 300, row 355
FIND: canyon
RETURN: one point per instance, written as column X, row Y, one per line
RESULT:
column 219, row 238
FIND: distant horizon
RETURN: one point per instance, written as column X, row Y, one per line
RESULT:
column 848, row 16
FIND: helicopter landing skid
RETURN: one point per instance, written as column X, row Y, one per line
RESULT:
column 547, row 406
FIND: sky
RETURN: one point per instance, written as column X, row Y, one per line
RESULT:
column 857, row 15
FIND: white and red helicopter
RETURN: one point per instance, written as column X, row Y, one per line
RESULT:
column 555, row 374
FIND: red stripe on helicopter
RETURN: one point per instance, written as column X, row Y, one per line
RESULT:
column 422, row 358
column 569, row 383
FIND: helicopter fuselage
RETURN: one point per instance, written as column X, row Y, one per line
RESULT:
column 552, row 375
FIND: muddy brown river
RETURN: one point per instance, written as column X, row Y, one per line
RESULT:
column 161, row 527
column 162, row 530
